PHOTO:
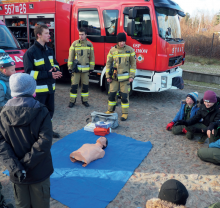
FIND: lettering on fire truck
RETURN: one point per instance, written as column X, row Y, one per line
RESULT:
column 138, row 49
column 177, row 49
column 12, row 9
column 17, row 59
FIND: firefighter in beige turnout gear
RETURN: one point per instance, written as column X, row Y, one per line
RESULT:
column 124, row 67
column 83, row 51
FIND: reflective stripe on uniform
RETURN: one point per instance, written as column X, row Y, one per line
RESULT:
column 73, row 95
column 122, row 55
column 124, row 105
column 82, row 48
column 53, row 85
column 51, row 60
column 70, row 62
column 34, row 74
column 109, row 55
column 112, row 103
column 56, row 66
column 123, row 76
column 107, row 70
column 71, row 48
column 92, row 63
column 42, row 88
column 39, row 62
column 85, row 94
column 133, row 70
column 83, row 67
column 133, row 54
column 92, row 48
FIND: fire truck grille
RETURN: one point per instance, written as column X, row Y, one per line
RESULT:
column 175, row 60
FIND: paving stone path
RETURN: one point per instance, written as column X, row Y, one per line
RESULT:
column 171, row 156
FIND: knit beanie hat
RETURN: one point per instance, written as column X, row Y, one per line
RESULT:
column 210, row 97
column 121, row 37
column 22, row 84
column 173, row 191
column 193, row 96
column 5, row 60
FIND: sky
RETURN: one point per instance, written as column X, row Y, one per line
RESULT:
column 195, row 6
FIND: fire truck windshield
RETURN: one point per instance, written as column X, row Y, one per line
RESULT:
column 7, row 39
column 168, row 18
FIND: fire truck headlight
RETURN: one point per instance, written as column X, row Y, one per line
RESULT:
column 163, row 82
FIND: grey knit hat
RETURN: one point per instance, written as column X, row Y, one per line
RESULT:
column 22, row 84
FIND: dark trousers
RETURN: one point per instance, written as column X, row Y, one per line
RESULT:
column 32, row 195
column 48, row 100
column 1, row 196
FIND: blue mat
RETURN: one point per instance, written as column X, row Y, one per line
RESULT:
column 97, row 184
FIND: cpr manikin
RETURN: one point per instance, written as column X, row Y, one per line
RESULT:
column 90, row 152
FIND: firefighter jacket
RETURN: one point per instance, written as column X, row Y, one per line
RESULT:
column 38, row 60
column 82, row 51
column 123, row 59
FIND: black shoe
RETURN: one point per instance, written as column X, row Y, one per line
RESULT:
column 86, row 104
column 71, row 105
column 56, row 135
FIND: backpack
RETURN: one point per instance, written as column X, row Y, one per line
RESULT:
column 111, row 118
column 4, row 86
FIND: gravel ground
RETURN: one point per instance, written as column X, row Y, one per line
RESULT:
column 171, row 156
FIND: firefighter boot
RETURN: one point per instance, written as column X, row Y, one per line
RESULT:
column 85, row 104
column 71, row 105
column 109, row 112
column 56, row 135
column 124, row 117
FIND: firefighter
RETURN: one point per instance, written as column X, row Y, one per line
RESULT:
column 39, row 62
column 81, row 61
column 120, row 71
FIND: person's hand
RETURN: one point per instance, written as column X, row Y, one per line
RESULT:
column 181, row 122
column 21, row 175
column 131, row 79
column 51, row 70
column 109, row 80
column 170, row 126
column 56, row 75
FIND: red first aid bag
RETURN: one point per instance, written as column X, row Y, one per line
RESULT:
column 101, row 131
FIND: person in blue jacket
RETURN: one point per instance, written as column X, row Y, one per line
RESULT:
column 188, row 109
column 211, row 154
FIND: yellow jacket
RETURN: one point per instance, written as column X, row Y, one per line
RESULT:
column 124, row 60
column 82, row 51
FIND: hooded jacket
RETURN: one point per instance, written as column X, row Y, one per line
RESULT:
column 4, row 97
column 207, row 115
column 181, row 113
column 158, row 203
column 26, row 128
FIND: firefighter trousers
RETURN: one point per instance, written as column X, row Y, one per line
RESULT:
column 75, row 79
column 124, row 88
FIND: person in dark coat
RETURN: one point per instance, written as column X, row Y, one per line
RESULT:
column 208, row 112
column 25, row 143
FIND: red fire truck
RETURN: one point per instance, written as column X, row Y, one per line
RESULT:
column 152, row 28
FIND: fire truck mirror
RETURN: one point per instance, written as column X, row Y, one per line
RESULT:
column 131, row 27
column 132, row 13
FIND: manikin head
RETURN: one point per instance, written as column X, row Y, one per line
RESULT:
column 103, row 141
column 42, row 34
column 82, row 34
column 121, row 39
column 209, row 98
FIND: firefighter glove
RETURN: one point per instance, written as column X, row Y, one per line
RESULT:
column 170, row 125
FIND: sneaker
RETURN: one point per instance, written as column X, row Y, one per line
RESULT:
column 202, row 140
column 71, row 105
column 86, row 104
column 124, row 117
column 109, row 112
column 56, row 135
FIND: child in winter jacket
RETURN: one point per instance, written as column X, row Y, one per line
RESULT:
column 208, row 112
column 25, row 143
column 173, row 194
column 7, row 68
column 187, row 110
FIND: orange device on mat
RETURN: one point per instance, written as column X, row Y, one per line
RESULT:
column 101, row 131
